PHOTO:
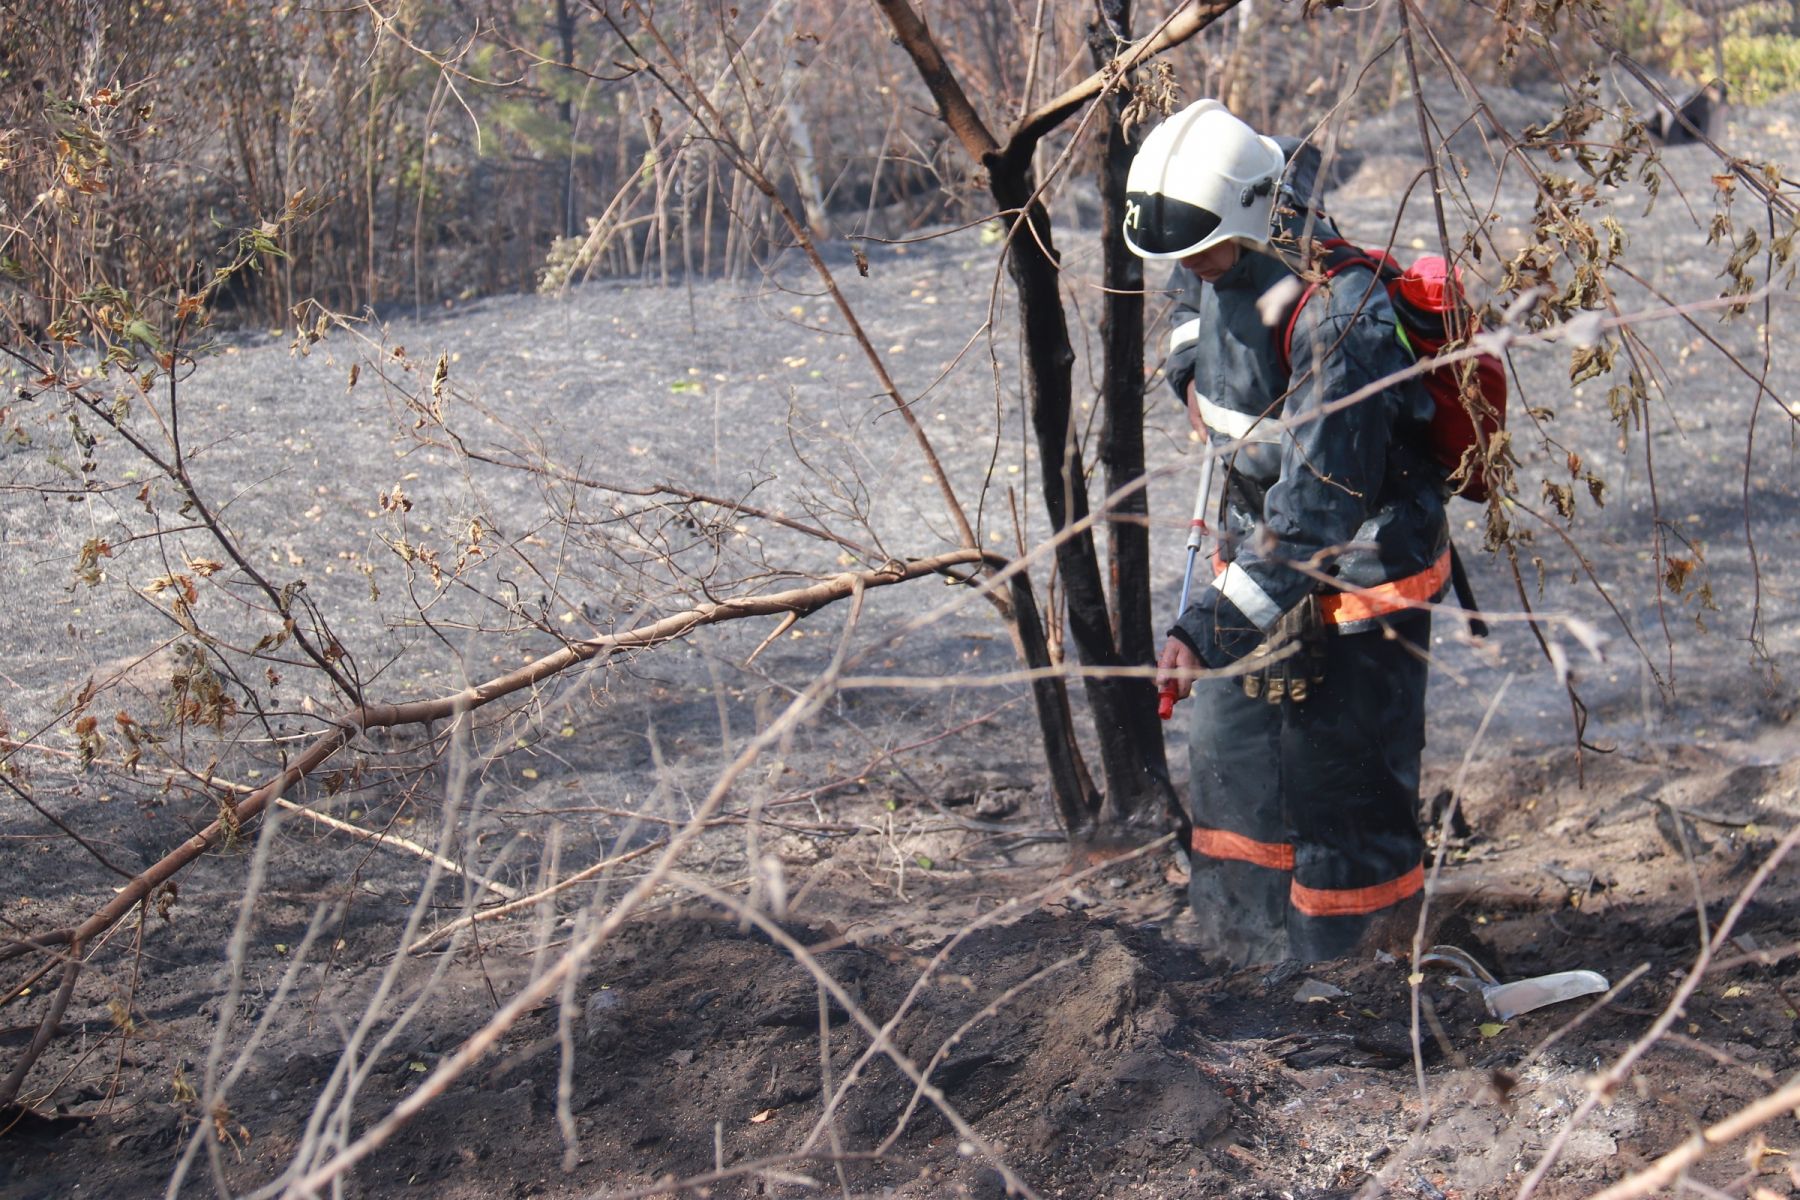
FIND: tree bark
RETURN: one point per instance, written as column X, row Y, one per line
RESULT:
column 1129, row 779
column 565, row 113
column 1133, row 763
column 1122, row 429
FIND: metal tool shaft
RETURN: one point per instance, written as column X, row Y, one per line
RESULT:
column 1198, row 532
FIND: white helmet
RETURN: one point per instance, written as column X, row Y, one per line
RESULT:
column 1201, row 177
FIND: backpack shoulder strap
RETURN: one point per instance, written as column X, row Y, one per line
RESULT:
column 1340, row 255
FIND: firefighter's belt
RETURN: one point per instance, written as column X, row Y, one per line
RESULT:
column 1290, row 662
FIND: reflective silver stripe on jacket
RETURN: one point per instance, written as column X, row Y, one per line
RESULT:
column 1182, row 334
column 1237, row 586
column 1238, row 426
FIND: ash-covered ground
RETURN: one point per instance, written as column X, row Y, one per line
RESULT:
column 1064, row 1028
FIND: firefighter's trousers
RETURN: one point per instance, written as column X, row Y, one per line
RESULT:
column 1305, row 815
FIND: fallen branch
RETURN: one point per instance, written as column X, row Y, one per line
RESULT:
column 378, row 716
column 45, row 1031
column 797, row 600
column 306, row 1180
column 160, row 872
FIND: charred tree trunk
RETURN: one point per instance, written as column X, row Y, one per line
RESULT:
column 1071, row 787
column 565, row 113
column 1121, row 446
column 1122, row 400
column 1133, row 763
column 1077, row 801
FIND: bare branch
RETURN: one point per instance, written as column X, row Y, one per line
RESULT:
column 1178, row 28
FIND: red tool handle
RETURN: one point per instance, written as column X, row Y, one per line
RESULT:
column 1165, row 701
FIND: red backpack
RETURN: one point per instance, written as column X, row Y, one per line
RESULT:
column 1423, row 296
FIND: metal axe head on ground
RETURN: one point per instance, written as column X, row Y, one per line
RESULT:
column 1505, row 1001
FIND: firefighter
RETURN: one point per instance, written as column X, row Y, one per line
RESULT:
column 1332, row 546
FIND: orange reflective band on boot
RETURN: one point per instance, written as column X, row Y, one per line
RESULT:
column 1217, row 843
column 1355, row 902
column 1362, row 604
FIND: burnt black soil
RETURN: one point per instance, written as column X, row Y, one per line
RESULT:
column 1079, row 1037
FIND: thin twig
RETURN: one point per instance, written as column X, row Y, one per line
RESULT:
column 1663, row 1171
column 581, row 949
column 1601, row 1088
column 46, row 1029
column 395, row 842
column 520, row 903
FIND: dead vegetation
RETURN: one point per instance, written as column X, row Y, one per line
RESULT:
column 429, row 813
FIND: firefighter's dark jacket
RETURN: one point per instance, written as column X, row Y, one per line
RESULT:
column 1319, row 498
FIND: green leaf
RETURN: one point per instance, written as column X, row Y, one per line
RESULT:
column 1491, row 1029
column 923, row 861
column 141, row 331
column 686, row 385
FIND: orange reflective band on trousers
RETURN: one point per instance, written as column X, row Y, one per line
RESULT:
column 1355, row 902
column 1217, row 843
column 1314, row 902
column 1362, row 604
